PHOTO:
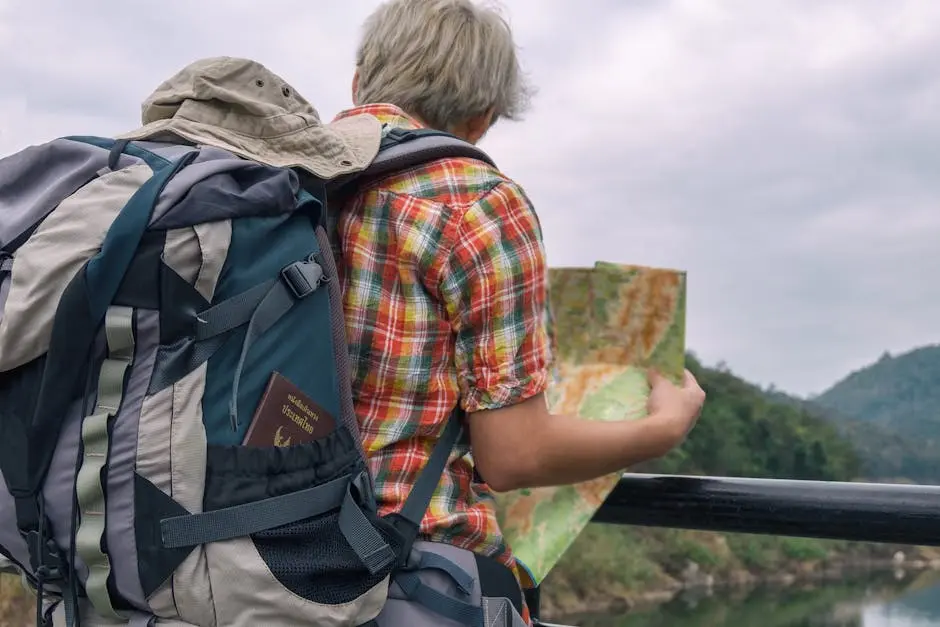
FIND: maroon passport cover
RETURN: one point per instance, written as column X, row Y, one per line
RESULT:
column 287, row 417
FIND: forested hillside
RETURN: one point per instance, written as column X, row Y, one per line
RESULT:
column 744, row 432
column 899, row 392
column 890, row 410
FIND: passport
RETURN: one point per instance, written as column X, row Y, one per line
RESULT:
column 287, row 417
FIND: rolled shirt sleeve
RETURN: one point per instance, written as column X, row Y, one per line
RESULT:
column 494, row 286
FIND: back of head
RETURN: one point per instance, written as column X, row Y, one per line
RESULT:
column 443, row 61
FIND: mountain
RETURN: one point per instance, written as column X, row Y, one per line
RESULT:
column 901, row 393
column 891, row 412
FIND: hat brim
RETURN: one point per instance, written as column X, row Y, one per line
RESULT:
column 313, row 148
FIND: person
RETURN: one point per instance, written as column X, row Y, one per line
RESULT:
column 444, row 279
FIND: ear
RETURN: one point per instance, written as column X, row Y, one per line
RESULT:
column 355, row 88
column 476, row 127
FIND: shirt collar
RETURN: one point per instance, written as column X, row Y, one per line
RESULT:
column 388, row 114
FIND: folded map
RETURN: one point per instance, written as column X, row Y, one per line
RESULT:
column 609, row 323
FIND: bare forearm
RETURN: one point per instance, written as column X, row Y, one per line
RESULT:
column 571, row 450
column 535, row 448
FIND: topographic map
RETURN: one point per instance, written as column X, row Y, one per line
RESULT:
column 610, row 323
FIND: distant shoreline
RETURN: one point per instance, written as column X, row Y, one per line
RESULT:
column 574, row 591
column 835, row 570
column 744, row 582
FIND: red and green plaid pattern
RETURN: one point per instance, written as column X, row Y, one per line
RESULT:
column 444, row 282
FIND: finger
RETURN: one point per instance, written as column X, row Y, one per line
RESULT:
column 653, row 376
column 688, row 380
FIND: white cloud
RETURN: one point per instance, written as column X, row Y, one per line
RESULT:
column 781, row 151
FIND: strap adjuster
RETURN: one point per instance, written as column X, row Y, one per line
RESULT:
column 302, row 277
column 45, row 557
column 400, row 134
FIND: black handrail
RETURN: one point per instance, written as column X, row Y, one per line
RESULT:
column 867, row 512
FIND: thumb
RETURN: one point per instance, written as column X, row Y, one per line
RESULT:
column 653, row 376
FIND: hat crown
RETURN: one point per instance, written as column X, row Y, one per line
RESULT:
column 230, row 84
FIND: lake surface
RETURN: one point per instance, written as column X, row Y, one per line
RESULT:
column 888, row 601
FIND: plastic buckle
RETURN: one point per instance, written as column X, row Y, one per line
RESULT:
column 302, row 277
column 401, row 134
column 412, row 561
column 365, row 492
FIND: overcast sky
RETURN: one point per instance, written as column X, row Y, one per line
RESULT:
column 786, row 153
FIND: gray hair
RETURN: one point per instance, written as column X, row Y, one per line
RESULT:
column 444, row 61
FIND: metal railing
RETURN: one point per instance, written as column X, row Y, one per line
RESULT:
column 865, row 512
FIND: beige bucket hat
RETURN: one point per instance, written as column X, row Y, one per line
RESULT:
column 241, row 106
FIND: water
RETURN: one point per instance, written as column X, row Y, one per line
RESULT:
column 886, row 601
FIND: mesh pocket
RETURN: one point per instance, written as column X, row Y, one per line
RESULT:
column 311, row 557
column 313, row 560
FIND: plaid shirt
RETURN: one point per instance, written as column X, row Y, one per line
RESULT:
column 444, row 282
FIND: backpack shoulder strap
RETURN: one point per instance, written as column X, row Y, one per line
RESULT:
column 402, row 149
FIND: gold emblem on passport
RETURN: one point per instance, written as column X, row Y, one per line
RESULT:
column 279, row 439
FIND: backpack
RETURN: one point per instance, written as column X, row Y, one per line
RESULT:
column 150, row 294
